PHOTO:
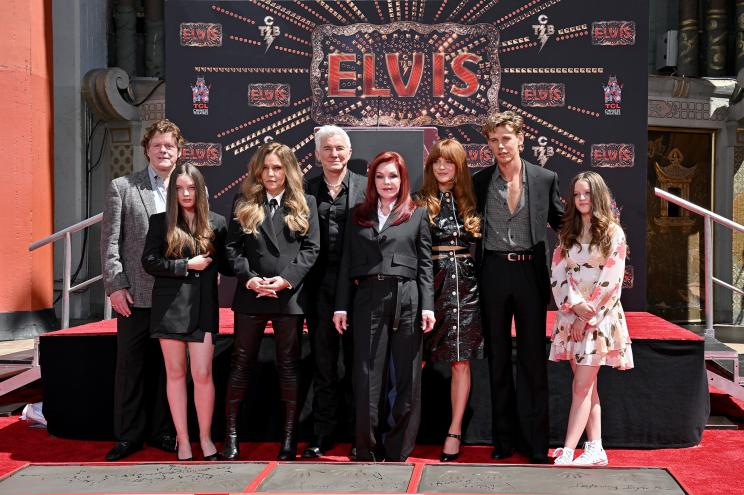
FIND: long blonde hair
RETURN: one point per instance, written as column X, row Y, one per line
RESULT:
column 179, row 234
column 250, row 207
column 462, row 187
column 603, row 219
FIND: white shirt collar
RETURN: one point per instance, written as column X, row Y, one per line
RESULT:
column 278, row 197
column 381, row 217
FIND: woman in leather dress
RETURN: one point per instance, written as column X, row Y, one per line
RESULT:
column 447, row 194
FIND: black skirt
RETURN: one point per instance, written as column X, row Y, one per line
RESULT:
column 457, row 334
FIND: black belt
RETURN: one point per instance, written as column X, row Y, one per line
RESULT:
column 398, row 290
column 512, row 255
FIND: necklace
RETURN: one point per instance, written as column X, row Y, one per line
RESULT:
column 334, row 189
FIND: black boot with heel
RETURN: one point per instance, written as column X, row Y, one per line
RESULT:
column 288, row 451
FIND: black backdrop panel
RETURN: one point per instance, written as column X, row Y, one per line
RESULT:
column 243, row 72
column 662, row 403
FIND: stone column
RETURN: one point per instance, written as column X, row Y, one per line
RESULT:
column 717, row 37
column 688, row 41
column 125, row 18
column 154, row 41
column 739, row 35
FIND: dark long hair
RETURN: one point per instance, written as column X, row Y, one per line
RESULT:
column 602, row 219
column 462, row 185
column 404, row 205
column 180, row 235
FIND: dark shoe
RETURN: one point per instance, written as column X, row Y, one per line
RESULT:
column 539, row 459
column 445, row 457
column 122, row 450
column 213, row 457
column 498, row 454
column 317, row 447
column 166, row 442
column 353, row 454
column 372, row 457
column 312, row 452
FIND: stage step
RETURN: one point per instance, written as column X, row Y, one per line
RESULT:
column 720, row 423
column 9, row 370
column 722, row 363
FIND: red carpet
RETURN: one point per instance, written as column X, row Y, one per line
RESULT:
column 713, row 467
column 640, row 325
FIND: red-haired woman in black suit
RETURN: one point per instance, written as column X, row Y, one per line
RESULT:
column 387, row 256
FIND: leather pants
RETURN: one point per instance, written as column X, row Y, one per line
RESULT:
column 249, row 331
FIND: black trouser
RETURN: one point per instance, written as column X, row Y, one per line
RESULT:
column 384, row 359
column 249, row 330
column 329, row 388
column 514, row 289
column 140, row 404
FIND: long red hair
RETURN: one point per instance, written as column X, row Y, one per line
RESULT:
column 404, row 205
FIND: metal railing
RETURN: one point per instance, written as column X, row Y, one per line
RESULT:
column 33, row 372
column 67, row 267
column 708, row 218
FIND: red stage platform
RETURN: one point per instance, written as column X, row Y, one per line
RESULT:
column 640, row 326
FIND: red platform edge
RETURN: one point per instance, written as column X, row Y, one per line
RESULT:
column 641, row 326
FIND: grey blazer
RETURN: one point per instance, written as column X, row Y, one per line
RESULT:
column 130, row 201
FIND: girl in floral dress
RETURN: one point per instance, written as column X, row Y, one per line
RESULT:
column 590, row 330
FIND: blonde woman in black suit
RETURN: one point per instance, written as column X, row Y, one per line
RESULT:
column 387, row 255
column 184, row 250
column 272, row 243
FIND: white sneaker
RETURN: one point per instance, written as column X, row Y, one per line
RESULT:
column 593, row 455
column 563, row 456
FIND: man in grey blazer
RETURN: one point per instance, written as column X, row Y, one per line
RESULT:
column 140, row 408
column 516, row 201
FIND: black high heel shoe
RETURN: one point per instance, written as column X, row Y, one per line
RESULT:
column 213, row 457
column 189, row 458
column 445, row 457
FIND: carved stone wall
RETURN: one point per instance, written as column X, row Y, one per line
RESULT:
column 737, row 250
column 680, row 107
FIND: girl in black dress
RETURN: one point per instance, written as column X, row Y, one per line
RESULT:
column 447, row 194
column 184, row 250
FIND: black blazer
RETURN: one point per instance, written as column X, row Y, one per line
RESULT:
column 183, row 300
column 403, row 250
column 356, row 194
column 545, row 207
column 274, row 250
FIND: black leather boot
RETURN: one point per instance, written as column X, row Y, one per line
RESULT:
column 288, row 451
column 231, row 449
column 237, row 384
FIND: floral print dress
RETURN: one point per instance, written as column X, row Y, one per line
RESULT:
column 586, row 276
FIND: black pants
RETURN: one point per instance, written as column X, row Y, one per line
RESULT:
column 249, row 330
column 387, row 368
column 330, row 388
column 140, row 404
column 520, row 417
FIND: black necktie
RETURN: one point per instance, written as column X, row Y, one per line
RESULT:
column 272, row 206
